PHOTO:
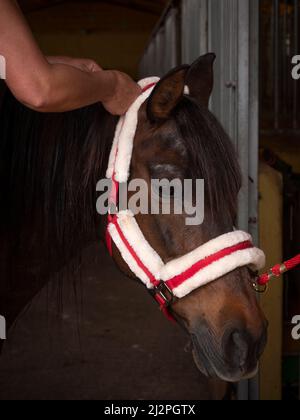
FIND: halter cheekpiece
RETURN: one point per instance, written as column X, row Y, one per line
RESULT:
column 181, row 276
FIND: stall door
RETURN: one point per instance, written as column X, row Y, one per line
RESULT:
column 163, row 51
column 194, row 41
column 233, row 35
column 230, row 28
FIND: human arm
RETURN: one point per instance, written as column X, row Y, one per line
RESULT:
column 55, row 87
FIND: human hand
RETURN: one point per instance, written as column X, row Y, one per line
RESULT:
column 83, row 64
column 124, row 92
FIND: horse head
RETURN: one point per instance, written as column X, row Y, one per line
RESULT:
column 177, row 137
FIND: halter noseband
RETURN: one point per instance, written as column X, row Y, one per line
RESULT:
column 181, row 276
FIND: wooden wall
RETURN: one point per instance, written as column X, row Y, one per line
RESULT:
column 271, row 236
column 271, row 241
column 286, row 147
column 115, row 36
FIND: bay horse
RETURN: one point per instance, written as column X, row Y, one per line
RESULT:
column 49, row 167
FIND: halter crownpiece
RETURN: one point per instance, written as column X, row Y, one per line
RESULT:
column 183, row 275
column 121, row 153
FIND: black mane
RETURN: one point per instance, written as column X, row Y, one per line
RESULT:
column 49, row 167
column 212, row 157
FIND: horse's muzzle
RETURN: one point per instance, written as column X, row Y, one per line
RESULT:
column 232, row 360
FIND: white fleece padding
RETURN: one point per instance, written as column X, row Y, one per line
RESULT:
column 113, row 154
column 186, row 90
column 252, row 257
column 119, row 165
column 138, row 242
column 121, row 154
column 180, row 265
column 127, row 257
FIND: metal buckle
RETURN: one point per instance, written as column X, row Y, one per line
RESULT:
column 271, row 275
column 164, row 292
column 261, row 289
column 283, row 269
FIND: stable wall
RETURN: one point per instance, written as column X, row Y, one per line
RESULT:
column 271, row 240
column 270, row 213
column 114, row 36
column 287, row 148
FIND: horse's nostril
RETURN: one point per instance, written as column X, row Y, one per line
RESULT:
column 242, row 349
column 237, row 348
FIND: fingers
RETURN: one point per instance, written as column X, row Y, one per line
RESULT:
column 118, row 89
column 83, row 64
column 93, row 66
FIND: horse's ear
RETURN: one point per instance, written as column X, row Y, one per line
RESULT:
column 167, row 94
column 200, row 78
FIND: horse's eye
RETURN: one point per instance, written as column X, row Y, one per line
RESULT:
column 166, row 171
column 167, row 189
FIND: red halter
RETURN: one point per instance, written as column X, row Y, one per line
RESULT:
column 176, row 279
column 113, row 199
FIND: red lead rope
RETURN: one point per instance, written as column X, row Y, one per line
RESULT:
column 278, row 270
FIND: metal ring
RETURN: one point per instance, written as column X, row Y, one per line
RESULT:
column 261, row 289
